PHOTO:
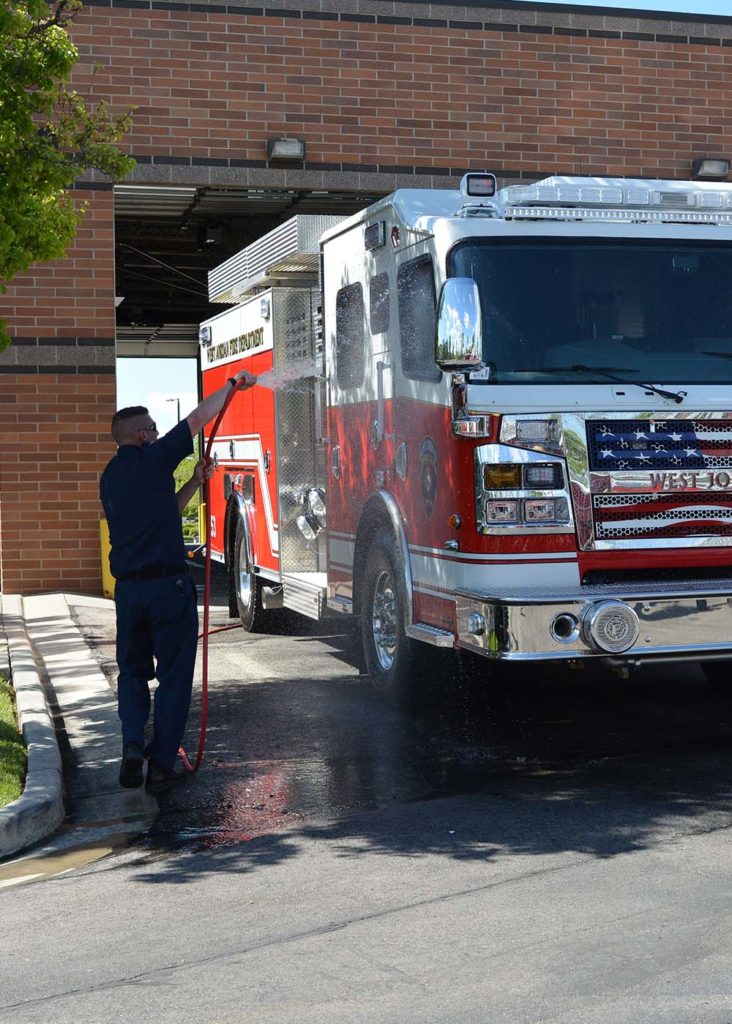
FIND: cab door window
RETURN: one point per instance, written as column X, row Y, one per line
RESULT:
column 417, row 310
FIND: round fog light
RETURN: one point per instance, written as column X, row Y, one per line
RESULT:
column 565, row 628
column 610, row 626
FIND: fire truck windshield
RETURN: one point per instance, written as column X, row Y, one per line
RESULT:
column 648, row 311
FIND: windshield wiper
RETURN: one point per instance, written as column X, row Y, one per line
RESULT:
column 675, row 396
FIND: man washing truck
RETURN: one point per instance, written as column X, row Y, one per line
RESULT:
column 157, row 617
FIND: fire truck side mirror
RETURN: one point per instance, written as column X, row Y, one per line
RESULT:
column 459, row 344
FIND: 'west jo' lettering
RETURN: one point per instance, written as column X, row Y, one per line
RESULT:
column 704, row 480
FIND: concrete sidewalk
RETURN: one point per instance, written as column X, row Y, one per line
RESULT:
column 68, row 716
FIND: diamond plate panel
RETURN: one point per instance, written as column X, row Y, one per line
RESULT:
column 300, row 459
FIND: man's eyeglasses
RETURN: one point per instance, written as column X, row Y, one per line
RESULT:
column 150, row 428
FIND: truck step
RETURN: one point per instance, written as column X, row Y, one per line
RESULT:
column 430, row 634
column 304, row 592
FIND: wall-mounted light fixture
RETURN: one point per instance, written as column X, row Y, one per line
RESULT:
column 285, row 149
column 710, row 169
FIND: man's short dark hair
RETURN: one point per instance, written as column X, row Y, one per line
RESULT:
column 130, row 413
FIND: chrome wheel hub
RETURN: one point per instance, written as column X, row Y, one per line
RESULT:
column 245, row 578
column 384, row 621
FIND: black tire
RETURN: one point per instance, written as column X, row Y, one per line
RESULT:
column 247, row 586
column 394, row 662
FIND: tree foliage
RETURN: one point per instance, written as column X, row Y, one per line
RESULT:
column 182, row 474
column 49, row 135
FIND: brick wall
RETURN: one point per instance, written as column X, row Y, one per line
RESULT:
column 521, row 91
column 57, row 397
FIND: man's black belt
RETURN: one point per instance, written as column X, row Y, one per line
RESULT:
column 153, row 572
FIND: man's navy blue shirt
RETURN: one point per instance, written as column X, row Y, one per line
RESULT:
column 138, row 493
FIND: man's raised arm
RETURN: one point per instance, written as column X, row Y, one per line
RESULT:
column 213, row 405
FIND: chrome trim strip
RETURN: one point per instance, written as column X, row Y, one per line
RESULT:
column 466, row 556
column 624, row 591
column 640, row 481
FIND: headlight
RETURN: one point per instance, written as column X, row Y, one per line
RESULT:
column 521, row 491
column 543, row 475
column 546, row 510
column 501, row 512
column 537, row 476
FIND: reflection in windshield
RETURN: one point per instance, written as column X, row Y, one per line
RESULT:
column 661, row 312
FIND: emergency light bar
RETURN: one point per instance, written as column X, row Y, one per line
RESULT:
column 627, row 216
column 624, row 200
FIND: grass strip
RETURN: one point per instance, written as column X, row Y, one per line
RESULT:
column 12, row 747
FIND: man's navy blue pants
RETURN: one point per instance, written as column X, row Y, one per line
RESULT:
column 157, row 631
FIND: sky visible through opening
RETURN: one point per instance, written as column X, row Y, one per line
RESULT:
column 700, row 7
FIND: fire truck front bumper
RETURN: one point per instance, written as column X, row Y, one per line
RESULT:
column 629, row 623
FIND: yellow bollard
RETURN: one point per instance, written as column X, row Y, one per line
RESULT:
column 107, row 577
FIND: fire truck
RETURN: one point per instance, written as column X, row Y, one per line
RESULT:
column 501, row 423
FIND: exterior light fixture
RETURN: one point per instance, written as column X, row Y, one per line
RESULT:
column 285, row 149
column 709, row 169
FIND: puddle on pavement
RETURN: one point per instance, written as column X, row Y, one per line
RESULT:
column 231, row 802
column 57, row 862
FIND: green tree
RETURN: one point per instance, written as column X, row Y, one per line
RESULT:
column 49, row 136
column 182, row 474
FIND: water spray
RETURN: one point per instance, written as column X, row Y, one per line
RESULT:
column 275, row 380
column 205, row 633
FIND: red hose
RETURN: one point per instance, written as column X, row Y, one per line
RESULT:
column 192, row 768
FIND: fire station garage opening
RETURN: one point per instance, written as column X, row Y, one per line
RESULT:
column 168, row 237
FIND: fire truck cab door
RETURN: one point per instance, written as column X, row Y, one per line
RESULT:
column 359, row 368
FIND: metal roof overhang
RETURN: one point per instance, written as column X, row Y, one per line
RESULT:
column 168, row 238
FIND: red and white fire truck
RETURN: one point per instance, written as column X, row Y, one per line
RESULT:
column 509, row 428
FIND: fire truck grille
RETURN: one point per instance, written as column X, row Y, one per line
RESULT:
column 687, row 464
column 626, row 516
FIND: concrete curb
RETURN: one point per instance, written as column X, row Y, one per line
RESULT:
column 40, row 808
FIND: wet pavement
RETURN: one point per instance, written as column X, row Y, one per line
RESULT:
column 297, row 738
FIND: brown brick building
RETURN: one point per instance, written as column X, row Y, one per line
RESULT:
column 383, row 94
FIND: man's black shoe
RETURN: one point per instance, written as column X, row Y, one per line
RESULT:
column 159, row 779
column 130, row 772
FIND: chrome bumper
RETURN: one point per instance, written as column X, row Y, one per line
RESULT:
column 663, row 621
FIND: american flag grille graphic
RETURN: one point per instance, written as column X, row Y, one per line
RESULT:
column 619, row 516
column 676, row 445
column 689, row 467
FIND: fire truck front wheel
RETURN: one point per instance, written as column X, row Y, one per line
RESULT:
column 393, row 660
column 247, row 586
